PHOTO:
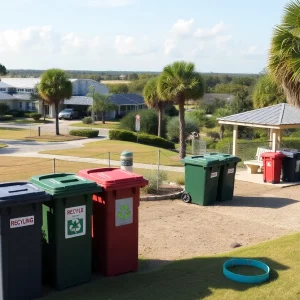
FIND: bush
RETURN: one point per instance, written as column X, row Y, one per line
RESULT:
column 16, row 113
column 28, row 114
column 4, row 108
column 173, row 128
column 89, row 133
column 180, row 180
column 6, row 117
column 171, row 111
column 291, row 142
column 154, row 179
column 36, row 116
column 149, row 121
column 143, row 138
column 211, row 122
column 87, row 120
column 214, row 135
column 198, row 116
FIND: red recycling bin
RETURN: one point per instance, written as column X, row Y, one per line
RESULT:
column 272, row 163
column 115, row 220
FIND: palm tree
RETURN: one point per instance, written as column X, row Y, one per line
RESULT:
column 54, row 88
column 177, row 83
column 284, row 58
column 153, row 100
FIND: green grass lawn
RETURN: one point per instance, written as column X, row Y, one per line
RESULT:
column 108, row 125
column 141, row 153
column 202, row 278
column 31, row 135
column 28, row 121
column 20, row 168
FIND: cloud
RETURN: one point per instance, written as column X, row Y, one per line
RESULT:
column 130, row 45
column 182, row 28
column 108, row 3
column 210, row 33
column 252, row 53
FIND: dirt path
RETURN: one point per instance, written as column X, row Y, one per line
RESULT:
column 171, row 230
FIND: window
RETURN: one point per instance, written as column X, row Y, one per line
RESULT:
column 20, row 90
column 27, row 105
column 33, row 105
column 2, row 90
column 28, row 90
column 20, row 105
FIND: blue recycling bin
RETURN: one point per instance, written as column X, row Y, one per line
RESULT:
column 21, row 240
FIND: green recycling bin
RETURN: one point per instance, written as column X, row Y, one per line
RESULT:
column 228, row 165
column 67, row 241
column 201, row 179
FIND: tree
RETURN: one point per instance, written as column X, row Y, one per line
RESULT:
column 267, row 92
column 153, row 100
column 179, row 82
column 3, row 70
column 220, row 113
column 101, row 103
column 120, row 88
column 36, row 96
column 54, row 87
column 133, row 76
column 284, row 57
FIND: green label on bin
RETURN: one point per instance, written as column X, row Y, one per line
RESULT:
column 75, row 221
column 124, row 211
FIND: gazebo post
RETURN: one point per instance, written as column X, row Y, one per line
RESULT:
column 274, row 140
column 235, row 137
column 280, row 137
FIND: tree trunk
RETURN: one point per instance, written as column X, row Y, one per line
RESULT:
column 56, row 119
column 103, row 117
column 182, row 143
column 44, row 110
column 222, row 129
column 160, row 115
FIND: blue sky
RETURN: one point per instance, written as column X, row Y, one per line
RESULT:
column 218, row 36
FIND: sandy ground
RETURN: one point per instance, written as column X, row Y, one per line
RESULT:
column 171, row 230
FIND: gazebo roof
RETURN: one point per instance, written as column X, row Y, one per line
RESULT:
column 277, row 116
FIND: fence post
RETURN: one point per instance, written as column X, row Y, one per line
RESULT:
column 109, row 159
column 158, row 165
column 39, row 130
column 54, row 166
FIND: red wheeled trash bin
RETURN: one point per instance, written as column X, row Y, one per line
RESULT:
column 115, row 220
column 272, row 163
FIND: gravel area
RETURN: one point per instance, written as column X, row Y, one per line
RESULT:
column 171, row 230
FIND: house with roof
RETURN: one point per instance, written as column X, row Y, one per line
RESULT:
column 17, row 93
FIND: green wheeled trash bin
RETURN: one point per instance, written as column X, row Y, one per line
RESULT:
column 21, row 240
column 228, row 165
column 67, row 246
column 201, row 179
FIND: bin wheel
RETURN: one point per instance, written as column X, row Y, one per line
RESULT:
column 273, row 181
column 186, row 197
column 265, row 181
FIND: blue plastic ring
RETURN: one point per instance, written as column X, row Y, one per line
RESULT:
column 245, row 278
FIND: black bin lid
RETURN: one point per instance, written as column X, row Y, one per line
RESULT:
column 20, row 193
column 291, row 153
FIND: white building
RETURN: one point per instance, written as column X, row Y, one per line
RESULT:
column 16, row 92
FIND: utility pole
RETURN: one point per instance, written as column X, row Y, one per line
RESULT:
column 93, row 113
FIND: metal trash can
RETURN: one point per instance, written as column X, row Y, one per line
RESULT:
column 291, row 165
column 201, row 179
column 21, row 240
column 228, row 165
column 67, row 246
column 115, row 220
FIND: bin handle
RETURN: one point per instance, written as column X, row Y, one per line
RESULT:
column 17, row 191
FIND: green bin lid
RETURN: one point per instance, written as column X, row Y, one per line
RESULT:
column 201, row 160
column 64, row 184
column 223, row 157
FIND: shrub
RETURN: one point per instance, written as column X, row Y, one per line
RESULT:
column 27, row 114
column 291, row 142
column 214, row 135
column 16, row 113
column 180, row 180
column 4, row 108
column 198, row 116
column 87, row 120
column 173, row 128
column 154, row 179
column 149, row 121
column 36, row 116
column 89, row 133
column 6, row 117
column 143, row 138
column 171, row 111
column 211, row 122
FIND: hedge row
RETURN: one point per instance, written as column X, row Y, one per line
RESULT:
column 6, row 117
column 143, row 138
column 89, row 133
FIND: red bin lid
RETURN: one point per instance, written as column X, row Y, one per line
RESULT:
column 273, row 155
column 113, row 177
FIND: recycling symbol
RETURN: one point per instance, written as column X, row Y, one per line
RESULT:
column 75, row 226
column 124, row 212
